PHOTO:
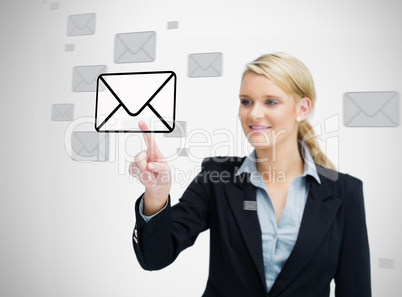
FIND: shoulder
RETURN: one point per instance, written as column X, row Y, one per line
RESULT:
column 336, row 177
column 343, row 186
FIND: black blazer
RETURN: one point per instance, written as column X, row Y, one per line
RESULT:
column 332, row 241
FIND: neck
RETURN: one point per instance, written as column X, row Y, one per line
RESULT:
column 282, row 160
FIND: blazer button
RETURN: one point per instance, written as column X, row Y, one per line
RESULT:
column 135, row 237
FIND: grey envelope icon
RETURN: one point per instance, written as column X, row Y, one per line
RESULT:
column 90, row 146
column 54, row 5
column 62, row 112
column 205, row 65
column 69, row 47
column 179, row 131
column 135, row 47
column 371, row 109
column 84, row 77
column 172, row 25
column 81, row 24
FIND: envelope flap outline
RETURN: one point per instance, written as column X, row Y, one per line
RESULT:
column 134, row 45
column 82, row 20
column 369, row 103
column 89, row 73
column 168, row 76
column 206, row 60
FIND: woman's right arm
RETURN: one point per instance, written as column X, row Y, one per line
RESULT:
column 151, row 169
column 158, row 242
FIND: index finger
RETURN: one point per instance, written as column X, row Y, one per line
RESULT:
column 149, row 141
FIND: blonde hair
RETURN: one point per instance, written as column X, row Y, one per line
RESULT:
column 293, row 77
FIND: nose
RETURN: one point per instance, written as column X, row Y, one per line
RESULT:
column 256, row 113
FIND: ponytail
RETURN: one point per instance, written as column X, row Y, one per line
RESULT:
column 306, row 135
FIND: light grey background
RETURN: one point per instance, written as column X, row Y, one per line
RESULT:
column 66, row 226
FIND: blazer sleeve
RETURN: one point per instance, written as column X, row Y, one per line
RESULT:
column 158, row 242
column 352, row 277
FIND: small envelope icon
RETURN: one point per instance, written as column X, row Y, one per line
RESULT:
column 135, row 47
column 131, row 97
column 62, row 112
column 81, row 24
column 371, row 109
column 90, row 146
column 205, row 65
column 84, row 77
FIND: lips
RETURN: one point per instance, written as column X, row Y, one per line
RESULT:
column 259, row 128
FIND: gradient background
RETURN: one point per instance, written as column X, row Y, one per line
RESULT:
column 66, row 226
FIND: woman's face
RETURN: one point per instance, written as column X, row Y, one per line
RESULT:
column 267, row 114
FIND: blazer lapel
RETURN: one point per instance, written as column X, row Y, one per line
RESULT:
column 237, row 193
column 319, row 213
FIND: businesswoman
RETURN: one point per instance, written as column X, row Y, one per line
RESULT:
column 286, row 234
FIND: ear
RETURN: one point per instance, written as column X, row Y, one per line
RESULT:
column 303, row 108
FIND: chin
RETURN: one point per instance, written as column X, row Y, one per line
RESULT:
column 257, row 143
column 260, row 145
column 260, row 141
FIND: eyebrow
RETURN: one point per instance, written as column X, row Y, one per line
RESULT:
column 265, row 97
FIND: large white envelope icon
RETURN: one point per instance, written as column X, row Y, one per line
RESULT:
column 135, row 96
column 371, row 109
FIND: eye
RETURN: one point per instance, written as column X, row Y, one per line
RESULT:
column 245, row 101
column 272, row 102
